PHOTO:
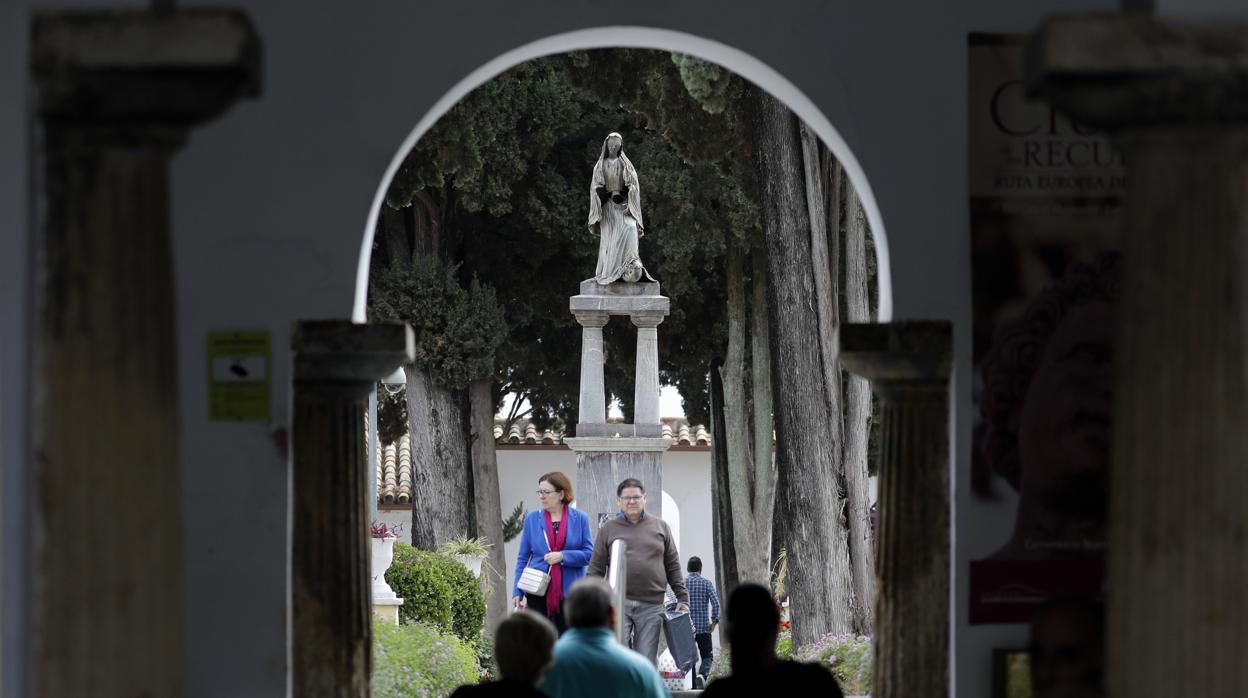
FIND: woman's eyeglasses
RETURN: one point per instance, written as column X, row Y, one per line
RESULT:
column 546, row 493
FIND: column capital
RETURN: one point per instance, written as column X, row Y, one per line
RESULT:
column 120, row 67
column 916, row 355
column 642, row 320
column 1134, row 70
column 344, row 352
column 591, row 318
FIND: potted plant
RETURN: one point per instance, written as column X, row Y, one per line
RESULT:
column 383, row 554
column 470, row 552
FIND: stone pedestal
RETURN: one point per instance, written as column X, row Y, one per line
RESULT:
column 336, row 363
column 602, row 462
column 1175, row 97
column 908, row 364
column 608, row 453
column 116, row 94
column 387, row 609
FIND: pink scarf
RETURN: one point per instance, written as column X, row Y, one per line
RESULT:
column 554, row 591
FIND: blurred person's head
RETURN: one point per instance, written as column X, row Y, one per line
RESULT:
column 589, row 604
column 695, row 564
column 752, row 622
column 1067, row 648
column 524, row 646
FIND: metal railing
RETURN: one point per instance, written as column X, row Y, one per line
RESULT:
column 617, row 574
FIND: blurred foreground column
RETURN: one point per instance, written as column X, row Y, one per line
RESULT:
column 1176, row 98
column 908, row 365
column 336, row 363
column 116, row 94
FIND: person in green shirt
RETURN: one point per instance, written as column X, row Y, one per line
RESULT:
column 588, row 659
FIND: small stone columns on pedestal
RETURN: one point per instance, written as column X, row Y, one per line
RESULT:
column 1175, row 98
column 593, row 403
column 336, row 363
column 908, row 364
column 646, row 379
column 608, row 453
column 116, row 93
column 646, row 307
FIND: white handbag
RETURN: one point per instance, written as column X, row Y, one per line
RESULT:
column 532, row 580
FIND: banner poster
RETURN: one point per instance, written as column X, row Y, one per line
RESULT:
column 1046, row 209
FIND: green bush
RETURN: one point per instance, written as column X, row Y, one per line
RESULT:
column 437, row 590
column 415, row 660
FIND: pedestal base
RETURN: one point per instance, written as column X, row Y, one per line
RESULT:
column 602, row 463
column 387, row 609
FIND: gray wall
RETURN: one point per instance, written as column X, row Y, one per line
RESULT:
column 271, row 201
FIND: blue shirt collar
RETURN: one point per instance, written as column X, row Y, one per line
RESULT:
column 639, row 519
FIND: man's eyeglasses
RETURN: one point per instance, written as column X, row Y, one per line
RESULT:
column 632, row 499
column 546, row 493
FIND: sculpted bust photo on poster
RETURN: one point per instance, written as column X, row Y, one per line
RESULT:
column 1046, row 212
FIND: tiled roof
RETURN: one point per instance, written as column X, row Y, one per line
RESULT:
column 679, row 432
column 394, row 461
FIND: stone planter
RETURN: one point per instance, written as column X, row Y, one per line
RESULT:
column 472, row 562
column 383, row 555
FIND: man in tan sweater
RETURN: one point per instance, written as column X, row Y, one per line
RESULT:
column 653, row 564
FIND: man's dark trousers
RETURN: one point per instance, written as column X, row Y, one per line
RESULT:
column 704, row 651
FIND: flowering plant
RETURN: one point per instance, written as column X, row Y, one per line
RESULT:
column 382, row 531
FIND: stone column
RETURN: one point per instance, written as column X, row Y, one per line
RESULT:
column 116, row 94
column 609, row 453
column 593, row 403
column 1176, row 98
column 908, row 365
column 336, row 363
column 646, row 382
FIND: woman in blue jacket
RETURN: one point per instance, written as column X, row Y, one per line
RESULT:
column 555, row 540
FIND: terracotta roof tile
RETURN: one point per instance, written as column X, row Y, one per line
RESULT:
column 394, row 461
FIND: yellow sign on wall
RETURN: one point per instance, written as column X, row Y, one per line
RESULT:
column 238, row 376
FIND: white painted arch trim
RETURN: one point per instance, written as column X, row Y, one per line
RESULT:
column 738, row 61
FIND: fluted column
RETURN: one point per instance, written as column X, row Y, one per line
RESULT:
column 1175, row 96
column 646, row 382
column 107, row 612
column 593, row 403
column 908, row 364
column 336, row 364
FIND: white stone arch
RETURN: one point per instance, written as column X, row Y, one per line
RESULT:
column 735, row 60
column 671, row 514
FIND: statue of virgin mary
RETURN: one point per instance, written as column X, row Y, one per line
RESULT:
column 615, row 214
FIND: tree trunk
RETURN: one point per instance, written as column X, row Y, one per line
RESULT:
column 440, row 486
column 725, row 545
column 761, row 399
column 857, row 411
column 489, row 508
column 746, row 487
column 819, row 575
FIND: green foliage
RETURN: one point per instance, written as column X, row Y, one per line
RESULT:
column 463, row 545
column 391, row 415
column 513, row 525
column 458, row 329
column 416, row 659
column 437, row 590
column 707, row 82
column 485, row 656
